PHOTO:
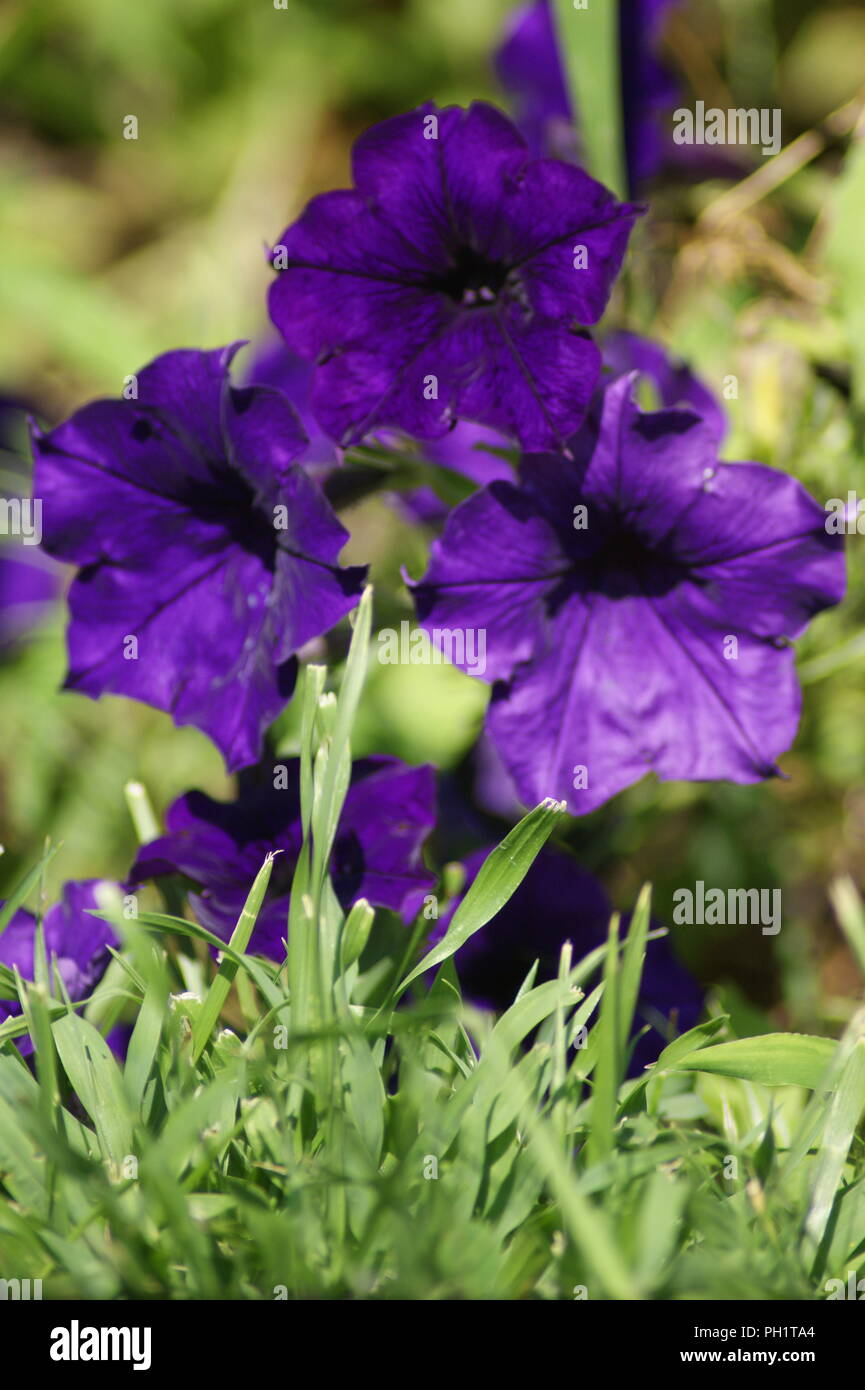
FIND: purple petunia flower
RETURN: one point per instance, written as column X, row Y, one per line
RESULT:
column 559, row 901
column 78, row 940
column 451, row 282
column 208, row 557
column 388, row 812
column 637, row 599
column 530, row 68
column 672, row 378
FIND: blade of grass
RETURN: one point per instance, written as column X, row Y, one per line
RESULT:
column 214, row 1001
column 588, row 42
column 498, row 878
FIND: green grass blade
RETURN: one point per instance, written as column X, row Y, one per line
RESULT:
column 588, row 41
column 500, row 875
column 214, row 1001
column 96, row 1079
column 610, row 1057
column 22, row 891
column 775, row 1059
column 845, row 1112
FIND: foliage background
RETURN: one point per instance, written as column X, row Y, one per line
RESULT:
column 114, row 250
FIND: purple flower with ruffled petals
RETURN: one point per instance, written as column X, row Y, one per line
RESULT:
column 452, row 282
column 671, row 377
column 530, row 69
column 559, row 901
column 76, row 939
column 207, row 556
column 388, row 812
column 638, row 599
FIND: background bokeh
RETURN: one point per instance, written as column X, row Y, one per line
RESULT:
column 113, row 250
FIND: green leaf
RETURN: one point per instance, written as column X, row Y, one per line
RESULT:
column 851, row 916
column 844, row 255
column 775, row 1059
column 609, row 1064
column 95, row 1077
column 499, row 876
column 589, row 46
column 631, row 968
column 845, row 1112
column 214, row 1001
column 355, row 932
column 20, row 894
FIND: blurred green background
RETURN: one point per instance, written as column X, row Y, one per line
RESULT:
column 113, row 250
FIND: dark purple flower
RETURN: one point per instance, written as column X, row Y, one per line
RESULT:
column 389, row 810
column 73, row 936
column 450, row 282
column 208, row 557
column 672, row 378
column 559, row 901
column 638, row 600
column 530, row 69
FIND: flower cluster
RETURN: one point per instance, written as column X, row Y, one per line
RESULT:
column 638, row 596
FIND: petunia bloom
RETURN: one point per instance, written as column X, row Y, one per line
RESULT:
column 388, row 812
column 76, row 939
column 559, row 901
column 453, row 282
column 207, row 556
column 638, row 598
column 531, row 71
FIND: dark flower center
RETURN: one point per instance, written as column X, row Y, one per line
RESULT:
column 625, row 565
column 281, row 875
column 613, row 559
column 472, row 281
column 348, row 865
column 230, row 502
